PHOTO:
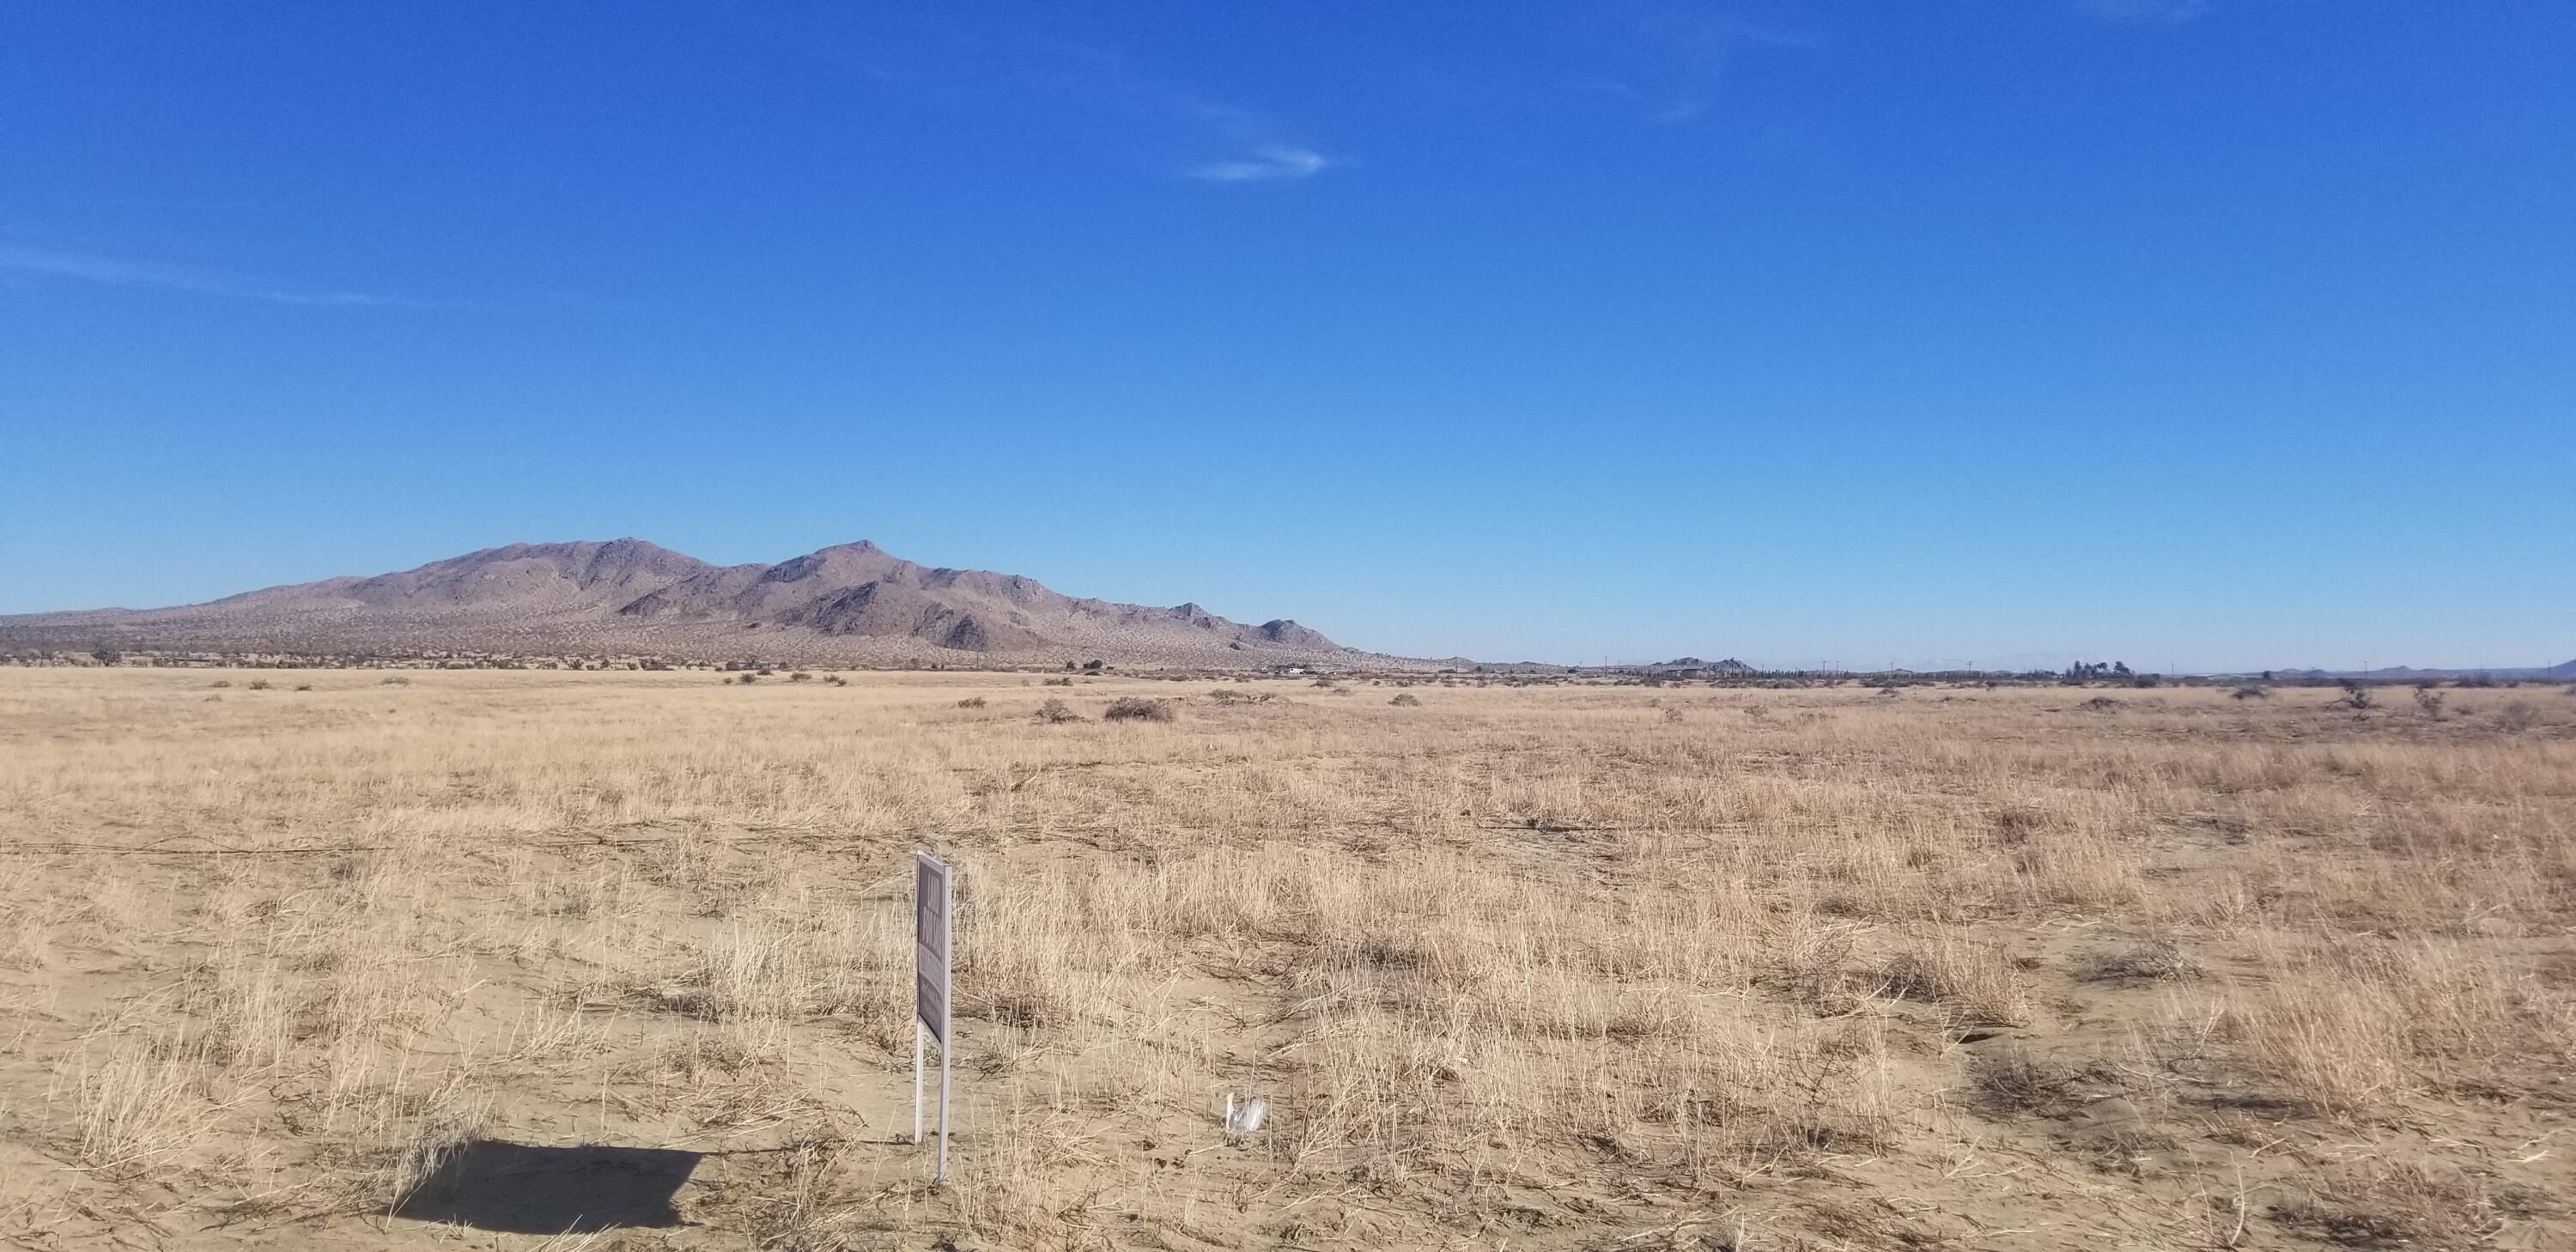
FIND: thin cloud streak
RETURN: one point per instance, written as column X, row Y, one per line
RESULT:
column 1208, row 138
column 1273, row 158
column 1271, row 164
column 2165, row 11
column 1670, row 64
column 112, row 272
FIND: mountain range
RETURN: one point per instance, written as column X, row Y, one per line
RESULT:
column 2564, row 671
column 852, row 603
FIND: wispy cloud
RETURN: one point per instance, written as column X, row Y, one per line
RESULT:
column 2147, row 10
column 1270, row 164
column 1071, row 84
column 1670, row 63
column 1268, row 152
column 80, row 267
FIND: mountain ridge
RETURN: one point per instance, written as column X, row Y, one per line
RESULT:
column 847, row 602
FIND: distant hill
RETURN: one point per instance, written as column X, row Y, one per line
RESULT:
column 853, row 602
column 1691, row 663
column 2565, row 671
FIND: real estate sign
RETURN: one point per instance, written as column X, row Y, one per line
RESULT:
column 932, row 928
column 930, row 899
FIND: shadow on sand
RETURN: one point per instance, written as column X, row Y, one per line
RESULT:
column 521, row 1189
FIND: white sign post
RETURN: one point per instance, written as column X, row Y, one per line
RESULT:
column 930, row 934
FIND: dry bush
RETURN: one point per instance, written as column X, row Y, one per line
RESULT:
column 1139, row 709
column 450, row 1117
column 2155, row 960
column 2352, row 1031
column 1057, row 712
column 971, row 702
column 2401, row 1205
column 2010, row 1082
column 141, row 1100
column 1975, row 979
column 1406, row 700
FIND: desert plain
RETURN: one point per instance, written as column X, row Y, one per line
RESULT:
column 308, row 959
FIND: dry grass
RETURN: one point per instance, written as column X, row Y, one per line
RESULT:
column 1534, row 968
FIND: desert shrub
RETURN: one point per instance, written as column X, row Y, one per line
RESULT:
column 304, row 686
column 971, row 702
column 259, row 684
column 394, row 680
column 1672, row 717
column 2517, row 715
column 1093, row 667
column 1224, row 695
column 2099, row 704
column 2397, row 1206
column 1056, row 712
column 2355, row 697
column 220, row 682
column 2250, row 692
column 800, row 676
column 1402, row 700
column 1974, row 979
column 2012, row 1082
column 749, row 679
column 1058, row 682
column 836, row 680
column 1138, row 709
column 2428, row 702
column 2155, row 960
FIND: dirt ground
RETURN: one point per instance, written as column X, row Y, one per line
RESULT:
column 346, row 959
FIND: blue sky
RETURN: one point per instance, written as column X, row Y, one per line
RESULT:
column 2205, row 333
